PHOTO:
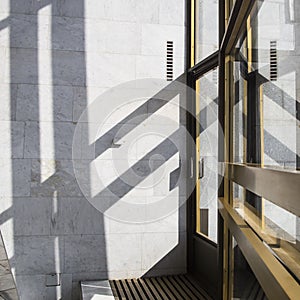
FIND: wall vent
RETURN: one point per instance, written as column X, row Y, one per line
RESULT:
column 273, row 60
column 170, row 49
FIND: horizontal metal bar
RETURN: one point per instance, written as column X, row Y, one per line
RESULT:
column 204, row 66
column 278, row 186
column 238, row 17
column 275, row 280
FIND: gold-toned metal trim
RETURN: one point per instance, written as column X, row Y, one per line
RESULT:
column 278, row 186
column 275, row 280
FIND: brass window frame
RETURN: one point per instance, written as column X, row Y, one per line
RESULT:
column 275, row 280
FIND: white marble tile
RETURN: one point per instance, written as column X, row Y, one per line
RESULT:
column 155, row 37
column 163, row 250
column 85, row 252
column 130, row 247
column 124, row 10
column 113, row 75
column 150, row 66
column 147, row 11
column 123, row 38
column 99, row 9
column 172, row 12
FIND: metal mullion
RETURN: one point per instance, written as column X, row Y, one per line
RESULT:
column 237, row 18
column 275, row 280
column 278, row 186
column 205, row 65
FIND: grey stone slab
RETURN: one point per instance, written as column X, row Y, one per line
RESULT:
column 33, row 287
column 63, row 138
column 32, row 216
column 72, row 8
column 15, row 177
column 32, row 140
column 85, row 252
column 24, row 31
column 79, row 102
column 76, row 216
column 38, row 255
column 12, row 139
column 23, row 66
column 44, row 103
column 69, row 68
column 8, row 99
column 60, row 181
column 96, row 290
column 68, row 33
column 32, row 7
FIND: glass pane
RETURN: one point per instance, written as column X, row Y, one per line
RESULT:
column 267, row 87
column 207, row 145
column 244, row 282
column 206, row 28
column 278, row 228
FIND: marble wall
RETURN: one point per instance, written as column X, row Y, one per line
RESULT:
column 56, row 58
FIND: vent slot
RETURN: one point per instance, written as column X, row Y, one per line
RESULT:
column 273, row 60
column 169, row 69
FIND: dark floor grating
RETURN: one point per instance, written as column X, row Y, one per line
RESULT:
column 160, row 288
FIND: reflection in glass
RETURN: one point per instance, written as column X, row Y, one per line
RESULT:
column 207, row 145
column 245, row 284
column 278, row 228
column 267, row 87
column 266, row 114
column 206, row 28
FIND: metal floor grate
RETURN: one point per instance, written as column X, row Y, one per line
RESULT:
column 165, row 287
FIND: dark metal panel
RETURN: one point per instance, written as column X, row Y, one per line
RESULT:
column 238, row 17
column 205, row 264
column 278, row 186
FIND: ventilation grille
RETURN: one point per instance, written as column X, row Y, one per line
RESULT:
column 273, row 60
column 167, row 287
column 170, row 48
